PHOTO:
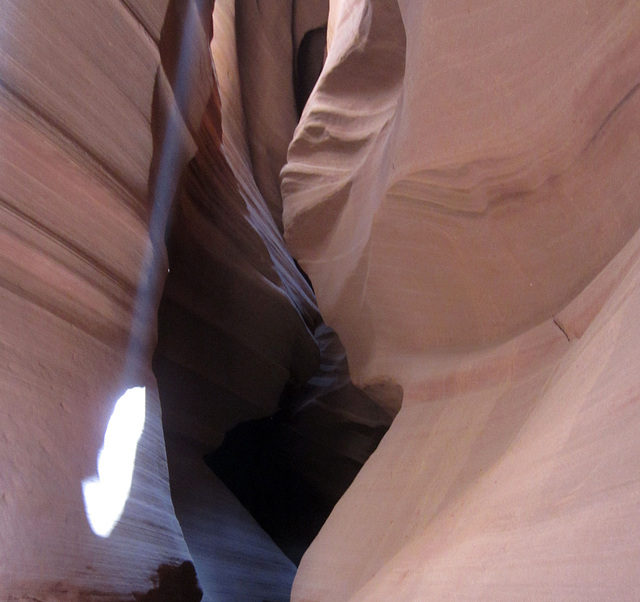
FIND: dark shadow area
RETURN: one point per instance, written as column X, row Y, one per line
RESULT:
column 239, row 338
column 309, row 63
column 256, row 466
column 289, row 470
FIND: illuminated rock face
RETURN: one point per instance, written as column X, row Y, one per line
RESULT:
column 462, row 189
column 499, row 148
column 463, row 192
column 96, row 124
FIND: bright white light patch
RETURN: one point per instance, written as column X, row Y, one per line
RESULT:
column 106, row 494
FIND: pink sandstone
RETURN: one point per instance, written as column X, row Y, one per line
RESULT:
column 449, row 219
column 462, row 190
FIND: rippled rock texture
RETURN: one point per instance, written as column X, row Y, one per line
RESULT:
column 140, row 239
column 463, row 191
column 87, row 97
column 241, row 339
column 460, row 185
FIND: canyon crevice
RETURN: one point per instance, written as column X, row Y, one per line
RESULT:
column 369, row 272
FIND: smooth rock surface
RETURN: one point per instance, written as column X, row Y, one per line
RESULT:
column 469, row 225
column 86, row 96
column 125, row 163
column 518, row 473
column 462, row 189
column 474, row 196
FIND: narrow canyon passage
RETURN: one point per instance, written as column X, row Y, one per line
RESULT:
column 319, row 300
column 250, row 378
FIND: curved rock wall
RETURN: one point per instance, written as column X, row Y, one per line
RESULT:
column 268, row 39
column 477, row 245
column 109, row 115
column 240, row 338
column 462, row 189
column 507, row 166
column 518, row 469
column 97, row 121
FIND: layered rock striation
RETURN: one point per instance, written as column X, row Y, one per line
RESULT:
column 127, row 163
column 241, row 339
column 461, row 189
column 96, row 126
column 505, row 158
column 469, row 225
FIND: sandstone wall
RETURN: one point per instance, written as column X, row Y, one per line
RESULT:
column 96, row 121
column 462, row 190
column 454, row 189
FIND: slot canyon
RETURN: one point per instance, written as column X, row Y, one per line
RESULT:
column 319, row 300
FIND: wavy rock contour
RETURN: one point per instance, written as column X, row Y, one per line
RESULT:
column 477, row 246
